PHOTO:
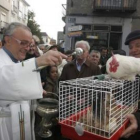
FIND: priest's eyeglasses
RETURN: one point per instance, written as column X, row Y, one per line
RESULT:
column 22, row 43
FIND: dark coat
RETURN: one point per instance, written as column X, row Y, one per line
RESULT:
column 51, row 86
column 70, row 71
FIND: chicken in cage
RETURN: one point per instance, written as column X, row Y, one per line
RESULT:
column 90, row 108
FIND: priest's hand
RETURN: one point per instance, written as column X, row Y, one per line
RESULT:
column 50, row 58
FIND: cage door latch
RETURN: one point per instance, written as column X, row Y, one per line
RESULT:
column 79, row 128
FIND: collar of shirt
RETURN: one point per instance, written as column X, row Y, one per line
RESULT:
column 79, row 66
column 10, row 55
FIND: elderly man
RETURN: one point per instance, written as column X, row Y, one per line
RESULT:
column 94, row 57
column 132, row 132
column 19, row 81
column 81, row 67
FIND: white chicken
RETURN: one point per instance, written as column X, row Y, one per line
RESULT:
column 123, row 67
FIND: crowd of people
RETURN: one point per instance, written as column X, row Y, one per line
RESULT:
column 21, row 55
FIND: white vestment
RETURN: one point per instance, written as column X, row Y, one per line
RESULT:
column 18, row 85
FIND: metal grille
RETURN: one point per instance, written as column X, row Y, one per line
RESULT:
column 99, row 105
column 115, row 5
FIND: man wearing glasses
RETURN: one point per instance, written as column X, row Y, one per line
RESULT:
column 19, row 81
column 33, row 51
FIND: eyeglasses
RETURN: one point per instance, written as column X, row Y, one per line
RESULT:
column 22, row 43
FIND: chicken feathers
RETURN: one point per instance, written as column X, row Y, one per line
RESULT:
column 123, row 67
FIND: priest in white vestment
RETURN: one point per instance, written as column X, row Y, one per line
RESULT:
column 20, row 82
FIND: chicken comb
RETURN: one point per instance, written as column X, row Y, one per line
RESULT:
column 113, row 64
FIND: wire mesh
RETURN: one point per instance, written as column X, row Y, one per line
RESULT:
column 100, row 105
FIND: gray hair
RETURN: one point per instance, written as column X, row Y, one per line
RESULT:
column 97, row 52
column 9, row 30
column 83, row 42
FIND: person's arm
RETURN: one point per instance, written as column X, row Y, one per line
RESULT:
column 21, row 82
column 134, row 125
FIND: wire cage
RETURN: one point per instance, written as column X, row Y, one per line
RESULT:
column 90, row 108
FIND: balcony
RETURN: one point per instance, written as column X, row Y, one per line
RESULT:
column 115, row 5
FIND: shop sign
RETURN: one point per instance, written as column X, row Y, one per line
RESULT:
column 72, row 34
column 75, row 28
column 92, row 37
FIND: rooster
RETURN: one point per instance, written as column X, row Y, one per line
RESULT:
column 123, row 67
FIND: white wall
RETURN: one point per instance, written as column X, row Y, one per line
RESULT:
column 44, row 39
column 4, row 12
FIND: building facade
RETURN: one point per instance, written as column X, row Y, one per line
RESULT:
column 45, row 37
column 52, row 42
column 19, row 11
column 13, row 11
column 103, row 23
column 60, row 37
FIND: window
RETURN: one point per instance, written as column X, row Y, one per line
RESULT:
column 25, row 12
column 20, row 7
column 116, row 28
column 108, row 3
column 87, row 27
column 100, row 28
column 3, row 20
column 71, row 20
column 14, row 6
